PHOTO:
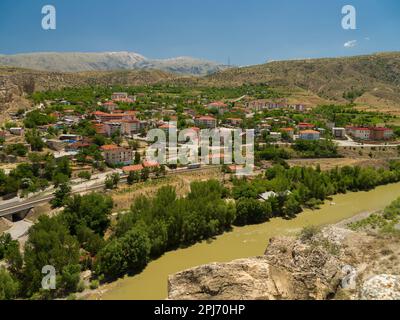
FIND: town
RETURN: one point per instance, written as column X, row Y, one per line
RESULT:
column 81, row 154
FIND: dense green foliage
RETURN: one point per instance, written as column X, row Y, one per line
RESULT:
column 316, row 149
column 169, row 222
column 8, row 285
column 299, row 186
column 36, row 174
column 50, row 243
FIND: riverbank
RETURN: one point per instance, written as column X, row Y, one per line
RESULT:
column 334, row 263
column 241, row 243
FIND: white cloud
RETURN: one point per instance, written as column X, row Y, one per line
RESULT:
column 350, row 44
column 367, row 38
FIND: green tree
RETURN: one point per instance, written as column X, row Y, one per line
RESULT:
column 85, row 175
column 90, row 210
column 137, row 158
column 129, row 253
column 49, row 243
column 35, row 140
column 252, row 211
column 9, row 286
column 133, row 177
column 61, row 195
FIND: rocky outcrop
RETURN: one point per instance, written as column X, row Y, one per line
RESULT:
column 335, row 263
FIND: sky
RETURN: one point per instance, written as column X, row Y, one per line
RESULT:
column 244, row 32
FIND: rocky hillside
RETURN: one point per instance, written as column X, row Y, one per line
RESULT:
column 16, row 84
column 373, row 80
column 107, row 61
column 335, row 263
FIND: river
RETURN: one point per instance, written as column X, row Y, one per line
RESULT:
column 244, row 242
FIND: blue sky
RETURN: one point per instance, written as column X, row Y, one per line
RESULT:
column 246, row 31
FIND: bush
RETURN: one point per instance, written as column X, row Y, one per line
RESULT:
column 8, row 285
column 308, row 233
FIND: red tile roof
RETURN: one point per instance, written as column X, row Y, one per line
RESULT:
column 150, row 164
column 137, row 167
column 110, row 147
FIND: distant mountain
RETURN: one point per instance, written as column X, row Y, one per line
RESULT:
column 108, row 61
column 183, row 65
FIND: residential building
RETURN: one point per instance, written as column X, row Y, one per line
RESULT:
column 107, row 117
column 17, row 131
column 305, row 126
column 114, row 154
column 206, row 122
column 119, row 95
column 112, row 128
column 75, row 147
column 234, row 121
column 310, row 135
column 339, row 133
column 70, row 137
column 359, row 133
column 288, row 131
column 151, row 165
column 55, row 144
column 110, row 106
column 277, row 136
column 100, row 128
column 219, row 106
column 133, row 168
column 131, row 127
column 381, row 134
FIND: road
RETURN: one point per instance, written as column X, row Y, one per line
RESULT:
column 21, row 205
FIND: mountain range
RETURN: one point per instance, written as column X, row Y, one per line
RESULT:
column 107, row 61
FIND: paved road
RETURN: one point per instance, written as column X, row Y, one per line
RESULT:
column 18, row 206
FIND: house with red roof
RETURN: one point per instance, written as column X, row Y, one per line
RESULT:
column 115, row 155
column 310, row 135
column 133, row 168
column 220, row 106
column 206, row 122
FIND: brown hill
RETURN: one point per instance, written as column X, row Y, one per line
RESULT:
column 16, row 84
column 371, row 80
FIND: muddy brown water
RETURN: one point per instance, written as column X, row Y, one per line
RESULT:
column 244, row 242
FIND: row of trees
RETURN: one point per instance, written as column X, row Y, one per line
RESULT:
column 36, row 174
column 298, row 187
column 163, row 223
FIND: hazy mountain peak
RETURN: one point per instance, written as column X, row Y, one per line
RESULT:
column 106, row 61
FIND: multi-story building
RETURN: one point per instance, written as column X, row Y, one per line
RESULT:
column 381, row 133
column 310, row 135
column 108, row 117
column 110, row 106
column 206, row 122
column 234, row 121
column 131, row 127
column 339, row 133
column 119, row 95
column 359, row 132
column 305, row 126
column 219, row 106
column 112, row 128
column 114, row 155
column 375, row 133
